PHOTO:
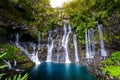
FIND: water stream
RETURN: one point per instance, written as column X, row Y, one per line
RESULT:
column 63, row 52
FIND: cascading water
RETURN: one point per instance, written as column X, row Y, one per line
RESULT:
column 11, row 66
column 65, row 42
column 59, row 56
column 86, row 43
column 76, row 48
column 15, row 63
column 92, row 42
column 8, row 63
column 39, row 38
column 50, row 47
column 33, row 57
column 90, row 46
column 58, row 53
column 58, row 48
column 103, row 51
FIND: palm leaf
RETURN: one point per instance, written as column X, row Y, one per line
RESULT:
column 3, row 55
column 3, row 66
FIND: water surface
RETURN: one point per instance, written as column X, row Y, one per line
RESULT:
column 55, row 71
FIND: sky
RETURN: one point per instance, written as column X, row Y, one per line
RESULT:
column 57, row 3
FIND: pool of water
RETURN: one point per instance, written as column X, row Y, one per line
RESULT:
column 55, row 71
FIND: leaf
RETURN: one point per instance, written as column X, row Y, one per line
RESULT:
column 19, row 77
column 3, row 55
column 15, row 77
column 1, row 75
column 3, row 66
column 25, row 77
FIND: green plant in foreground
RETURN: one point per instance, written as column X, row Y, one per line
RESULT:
column 19, row 77
column 2, row 66
column 10, row 50
column 16, row 77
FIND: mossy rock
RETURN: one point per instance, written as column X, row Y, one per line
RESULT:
column 27, row 65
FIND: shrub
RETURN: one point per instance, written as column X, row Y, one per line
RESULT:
column 112, row 64
column 2, row 66
column 114, row 59
column 113, row 70
column 16, row 77
column 19, row 77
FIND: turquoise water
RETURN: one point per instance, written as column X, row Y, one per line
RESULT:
column 55, row 71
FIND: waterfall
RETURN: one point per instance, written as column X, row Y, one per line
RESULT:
column 8, row 63
column 15, row 63
column 58, row 53
column 92, row 42
column 50, row 47
column 103, row 51
column 86, row 42
column 65, row 42
column 58, row 48
column 39, row 38
column 90, row 46
column 14, row 66
column 76, row 48
column 34, row 56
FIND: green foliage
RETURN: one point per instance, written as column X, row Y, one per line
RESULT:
column 2, row 55
column 113, row 70
column 2, row 66
column 114, row 59
column 19, row 77
column 84, row 14
column 10, row 50
column 2, row 31
column 7, row 9
column 15, row 1
column 112, row 64
column 115, row 56
column 16, row 77
column 1, row 75
column 34, row 15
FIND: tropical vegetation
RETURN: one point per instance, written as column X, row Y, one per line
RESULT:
column 27, row 17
